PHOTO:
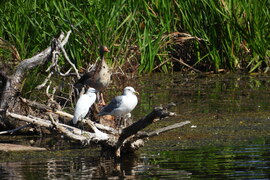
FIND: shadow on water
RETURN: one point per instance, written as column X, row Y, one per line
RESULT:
column 228, row 136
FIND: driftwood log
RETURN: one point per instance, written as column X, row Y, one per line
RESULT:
column 18, row 113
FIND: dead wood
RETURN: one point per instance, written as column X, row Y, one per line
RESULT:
column 14, row 130
column 113, row 141
column 20, row 113
column 10, row 93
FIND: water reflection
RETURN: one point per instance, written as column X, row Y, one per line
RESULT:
column 244, row 162
column 229, row 137
column 69, row 168
column 250, row 161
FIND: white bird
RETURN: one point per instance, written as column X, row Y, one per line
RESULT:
column 122, row 105
column 83, row 104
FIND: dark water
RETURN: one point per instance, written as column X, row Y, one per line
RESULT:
column 229, row 136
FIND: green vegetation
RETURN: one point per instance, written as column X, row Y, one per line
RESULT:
column 234, row 34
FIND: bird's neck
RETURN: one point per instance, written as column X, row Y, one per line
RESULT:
column 102, row 55
column 103, row 61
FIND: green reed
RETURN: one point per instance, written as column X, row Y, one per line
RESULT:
column 235, row 34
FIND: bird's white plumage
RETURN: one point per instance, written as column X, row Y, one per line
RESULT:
column 121, row 105
column 83, row 104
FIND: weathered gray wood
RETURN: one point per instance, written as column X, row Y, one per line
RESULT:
column 9, row 99
column 165, row 129
column 157, row 113
column 113, row 141
column 14, row 130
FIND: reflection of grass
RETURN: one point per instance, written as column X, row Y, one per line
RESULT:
column 235, row 34
column 210, row 161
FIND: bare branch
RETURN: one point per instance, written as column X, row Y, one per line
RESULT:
column 38, row 59
column 98, row 133
column 14, row 130
column 69, row 134
column 168, row 128
column 158, row 112
column 74, row 133
column 115, row 140
column 45, row 81
column 67, row 37
column 67, row 58
column 36, row 121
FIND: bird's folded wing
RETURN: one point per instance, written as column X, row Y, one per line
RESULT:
column 115, row 103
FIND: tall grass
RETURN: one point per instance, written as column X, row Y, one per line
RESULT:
column 235, row 33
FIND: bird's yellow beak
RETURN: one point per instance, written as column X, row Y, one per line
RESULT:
column 136, row 93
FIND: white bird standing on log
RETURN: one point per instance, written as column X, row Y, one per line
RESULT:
column 122, row 105
column 83, row 104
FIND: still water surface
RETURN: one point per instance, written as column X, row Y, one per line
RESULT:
column 229, row 135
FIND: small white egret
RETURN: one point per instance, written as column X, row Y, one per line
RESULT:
column 83, row 104
column 121, row 106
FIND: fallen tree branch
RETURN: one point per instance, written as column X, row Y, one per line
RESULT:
column 158, row 112
column 137, row 141
column 165, row 129
column 69, row 134
column 115, row 141
column 43, row 107
column 36, row 121
column 57, row 45
column 70, row 131
column 38, row 59
column 14, row 130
